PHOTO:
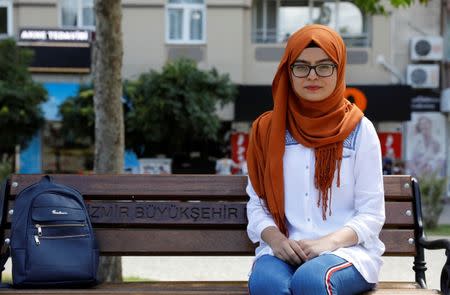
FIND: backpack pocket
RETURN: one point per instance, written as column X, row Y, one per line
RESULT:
column 59, row 242
column 59, row 258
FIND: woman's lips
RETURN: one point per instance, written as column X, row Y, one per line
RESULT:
column 312, row 88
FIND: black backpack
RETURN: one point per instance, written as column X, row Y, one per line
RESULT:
column 52, row 242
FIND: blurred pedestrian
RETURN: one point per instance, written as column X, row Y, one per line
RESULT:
column 225, row 165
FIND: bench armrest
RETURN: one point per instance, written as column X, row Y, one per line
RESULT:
column 445, row 274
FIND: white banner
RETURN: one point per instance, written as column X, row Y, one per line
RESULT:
column 425, row 148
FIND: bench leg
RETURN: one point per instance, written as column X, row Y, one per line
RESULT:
column 420, row 268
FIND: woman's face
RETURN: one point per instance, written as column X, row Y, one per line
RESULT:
column 314, row 87
column 424, row 125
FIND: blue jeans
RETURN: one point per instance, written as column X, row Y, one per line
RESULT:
column 324, row 275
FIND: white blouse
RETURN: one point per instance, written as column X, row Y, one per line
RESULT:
column 358, row 203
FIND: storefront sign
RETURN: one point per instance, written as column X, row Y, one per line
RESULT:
column 391, row 144
column 378, row 102
column 58, row 50
column 239, row 144
column 422, row 103
column 55, row 35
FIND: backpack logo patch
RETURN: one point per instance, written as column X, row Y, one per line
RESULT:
column 57, row 212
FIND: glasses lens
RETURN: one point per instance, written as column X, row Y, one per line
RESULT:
column 324, row 70
column 300, row 70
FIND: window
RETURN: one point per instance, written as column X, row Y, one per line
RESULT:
column 275, row 20
column 185, row 21
column 5, row 18
column 77, row 13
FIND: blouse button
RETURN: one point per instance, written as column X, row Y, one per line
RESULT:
column 309, row 219
column 306, row 194
column 307, row 167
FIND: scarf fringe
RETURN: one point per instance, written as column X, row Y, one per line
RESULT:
column 328, row 158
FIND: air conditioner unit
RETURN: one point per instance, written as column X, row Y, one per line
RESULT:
column 423, row 76
column 427, row 48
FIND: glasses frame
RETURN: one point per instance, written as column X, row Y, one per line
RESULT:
column 314, row 67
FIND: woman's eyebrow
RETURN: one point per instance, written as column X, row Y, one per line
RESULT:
column 307, row 62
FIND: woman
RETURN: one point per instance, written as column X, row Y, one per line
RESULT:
column 315, row 178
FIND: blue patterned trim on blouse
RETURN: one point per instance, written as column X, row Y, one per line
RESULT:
column 288, row 139
column 349, row 142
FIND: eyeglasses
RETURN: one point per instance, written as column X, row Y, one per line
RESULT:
column 322, row 70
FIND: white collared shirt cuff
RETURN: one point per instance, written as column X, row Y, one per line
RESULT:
column 262, row 226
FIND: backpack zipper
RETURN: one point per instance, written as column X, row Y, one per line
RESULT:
column 40, row 226
column 38, row 242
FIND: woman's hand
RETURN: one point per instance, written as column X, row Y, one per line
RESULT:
column 282, row 247
column 344, row 237
column 313, row 248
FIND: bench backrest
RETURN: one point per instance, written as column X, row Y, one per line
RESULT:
column 191, row 214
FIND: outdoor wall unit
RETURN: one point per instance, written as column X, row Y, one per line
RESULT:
column 426, row 48
column 423, row 75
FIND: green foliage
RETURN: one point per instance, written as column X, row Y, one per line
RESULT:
column 78, row 118
column 432, row 189
column 173, row 107
column 5, row 168
column 20, row 98
column 375, row 7
column 164, row 111
column 440, row 230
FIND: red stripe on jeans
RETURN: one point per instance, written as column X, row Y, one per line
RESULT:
column 330, row 273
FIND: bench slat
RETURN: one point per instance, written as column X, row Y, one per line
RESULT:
column 160, row 212
column 202, row 288
column 190, row 242
column 157, row 213
column 397, row 187
column 199, row 242
column 399, row 214
column 191, row 213
column 210, row 242
column 144, row 185
column 397, row 242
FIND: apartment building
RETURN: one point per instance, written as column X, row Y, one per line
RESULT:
column 246, row 38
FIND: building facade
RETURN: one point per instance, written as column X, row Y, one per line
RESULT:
column 246, row 38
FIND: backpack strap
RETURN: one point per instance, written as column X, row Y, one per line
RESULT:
column 4, row 256
column 6, row 252
column 3, row 199
column 47, row 178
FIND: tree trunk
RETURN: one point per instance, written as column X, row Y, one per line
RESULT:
column 109, row 122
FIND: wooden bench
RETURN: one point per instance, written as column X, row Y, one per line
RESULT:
column 205, row 215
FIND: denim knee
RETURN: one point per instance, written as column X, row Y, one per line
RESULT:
column 270, row 287
column 306, row 282
column 270, row 276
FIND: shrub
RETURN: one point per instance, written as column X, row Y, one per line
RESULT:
column 432, row 189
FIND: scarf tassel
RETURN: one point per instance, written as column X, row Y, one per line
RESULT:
column 327, row 159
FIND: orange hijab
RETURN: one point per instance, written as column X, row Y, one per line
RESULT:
column 322, row 125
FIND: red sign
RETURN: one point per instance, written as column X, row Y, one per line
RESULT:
column 239, row 144
column 391, row 144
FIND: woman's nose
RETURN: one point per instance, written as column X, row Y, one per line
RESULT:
column 312, row 75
